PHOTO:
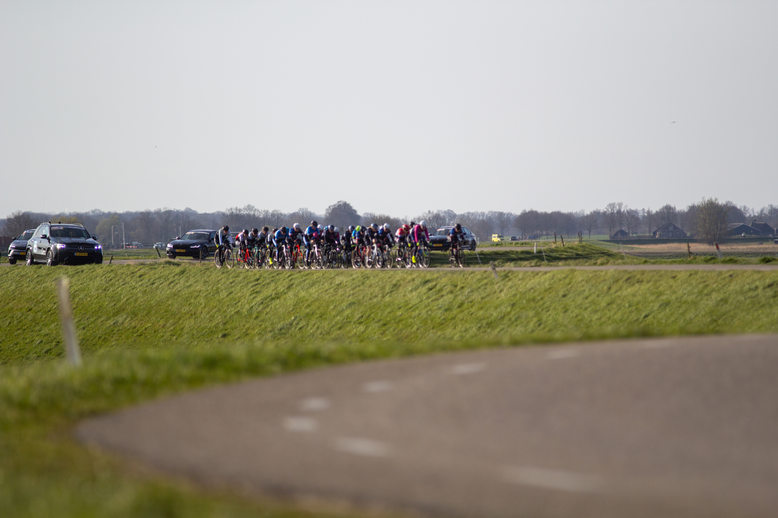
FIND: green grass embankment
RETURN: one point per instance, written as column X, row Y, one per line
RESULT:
column 151, row 330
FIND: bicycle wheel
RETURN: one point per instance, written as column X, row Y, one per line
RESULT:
column 424, row 256
column 461, row 261
column 218, row 258
column 229, row 258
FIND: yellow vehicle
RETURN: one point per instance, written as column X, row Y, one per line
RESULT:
column 496, row 238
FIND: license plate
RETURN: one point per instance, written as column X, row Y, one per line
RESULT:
column 81, row 254
column 437, row 246
column 180, row 251
column 22, row 253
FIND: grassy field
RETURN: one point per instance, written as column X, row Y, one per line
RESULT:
column 156, row 329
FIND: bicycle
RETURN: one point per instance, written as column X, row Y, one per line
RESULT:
column 260, row 256
column 421, row 255
column 359, row 256
column 223, row 256
column 245, row 259
column 456, row 256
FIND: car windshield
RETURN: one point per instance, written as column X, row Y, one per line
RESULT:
column 442, row 232
column 195, row 236
column 26, row 235
column 72, row 232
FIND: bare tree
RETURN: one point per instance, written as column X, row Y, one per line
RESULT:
column 18, row 222
column 614, row 216
column 590, row 221
column 631, row 220
column 649, row 218
column 502, row 220
column 711, row 222
column 342, row 214
column 667, row 214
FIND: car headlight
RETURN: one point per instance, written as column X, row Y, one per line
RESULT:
column 98, row 247
column 60, row 245
column 170, row 245
column 11, row 247
column 195, row 246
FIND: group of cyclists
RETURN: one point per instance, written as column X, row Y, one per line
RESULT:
column 324, row 246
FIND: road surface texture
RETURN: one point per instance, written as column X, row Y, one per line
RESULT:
column 634, row 428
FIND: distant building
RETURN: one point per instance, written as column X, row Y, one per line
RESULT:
column 669, row 231
column 741, row 229
column 763, row 227
column 620, row 234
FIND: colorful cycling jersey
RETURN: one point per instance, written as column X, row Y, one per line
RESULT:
column 241, row 240
column 279, row 237
column 385, row 236
column 311, row 230
column 261, row 238
column 295, row 234
column 347, row 240
column 370, row 234
column 456, row 235
column 329, row 237
column 419, row 233
column 222, row 237
column 400, row 233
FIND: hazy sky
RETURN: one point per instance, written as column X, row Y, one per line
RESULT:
column 395, row 106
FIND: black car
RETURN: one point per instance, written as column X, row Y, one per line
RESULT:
column 17, row 251
column 66, row 243
column 439, row 240
column 198, row 243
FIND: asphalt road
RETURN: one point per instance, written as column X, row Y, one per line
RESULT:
column 669, row 427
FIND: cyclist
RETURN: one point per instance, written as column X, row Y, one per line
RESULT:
column 419, row 236
column 371, row 234
column 295, row 233
column 385, row 236
column 309, row 238
column 223, row 236
column 279, row 238
column 329, row 236
column 222, row 241
column 347, row 240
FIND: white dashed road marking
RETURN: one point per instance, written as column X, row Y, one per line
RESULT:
column 364, row 447
column 300, row 424
column 468, row 368
column 314, row 404
column 561, row 354
column 377, row 386
column 553, row 479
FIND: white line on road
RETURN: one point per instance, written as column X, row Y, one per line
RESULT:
column 561, row 354
column 553, row 479
column 468, row 368
column 300, row 424
column 377, row 386
column 364, row 447
column 314, row 404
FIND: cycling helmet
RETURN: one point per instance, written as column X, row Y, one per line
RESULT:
column 332, row 228
column 423, row 224
column 413, row 224
column 337, row 230
column 245, row 231
column 351, row 228
column 386, row 226
column 297, row 226
column 321, row 228
column 284, row 229
column 314, row 224
column 226, row 228
column 406, row 227
column 359, row 228
column 374, row 226
column 265, row 229
column 255, row 231
column 458, row 226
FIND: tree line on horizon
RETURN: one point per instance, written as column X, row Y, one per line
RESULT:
column 162, row 225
